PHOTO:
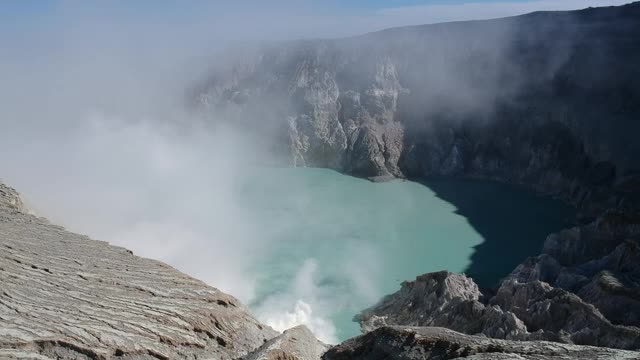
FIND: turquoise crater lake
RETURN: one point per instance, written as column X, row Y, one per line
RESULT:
column 339, row 243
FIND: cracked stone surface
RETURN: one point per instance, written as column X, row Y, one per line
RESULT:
column 63, row 295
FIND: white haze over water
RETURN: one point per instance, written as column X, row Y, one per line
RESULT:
column 94, row 134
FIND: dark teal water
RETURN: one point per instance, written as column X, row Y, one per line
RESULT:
column 338, row 243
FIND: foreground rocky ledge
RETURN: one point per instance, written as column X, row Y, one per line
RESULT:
column 422, row 343
column 65, row 296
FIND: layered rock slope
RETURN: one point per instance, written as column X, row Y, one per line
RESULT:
column 65, row 296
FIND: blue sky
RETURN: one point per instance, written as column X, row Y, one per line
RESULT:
column 32, row 29
column 302, row 17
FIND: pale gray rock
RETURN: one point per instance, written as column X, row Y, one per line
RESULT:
column 558, row 315
column 65, row 296
column 422, row 343
column 442, row 299
column 599, row 262
column 297, row 343
column 519, row 311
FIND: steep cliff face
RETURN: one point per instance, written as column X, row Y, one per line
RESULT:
column 549, row 100
column 65, row 296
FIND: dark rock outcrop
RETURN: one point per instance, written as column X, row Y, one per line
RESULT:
column 420, row 343
column 65, row 296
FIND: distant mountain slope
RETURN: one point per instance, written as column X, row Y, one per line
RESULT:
column 65, row 296
column 549, row 99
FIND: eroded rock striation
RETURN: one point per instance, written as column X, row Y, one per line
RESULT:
column 406, row 343
column 65, row 296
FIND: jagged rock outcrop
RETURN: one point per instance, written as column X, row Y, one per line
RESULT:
column 548, row 100
column 519, row 311
column 422, row 343
column 297, row 343
column 598, row 262
column 65, row 296
column 559, row 315
column 442, row 299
